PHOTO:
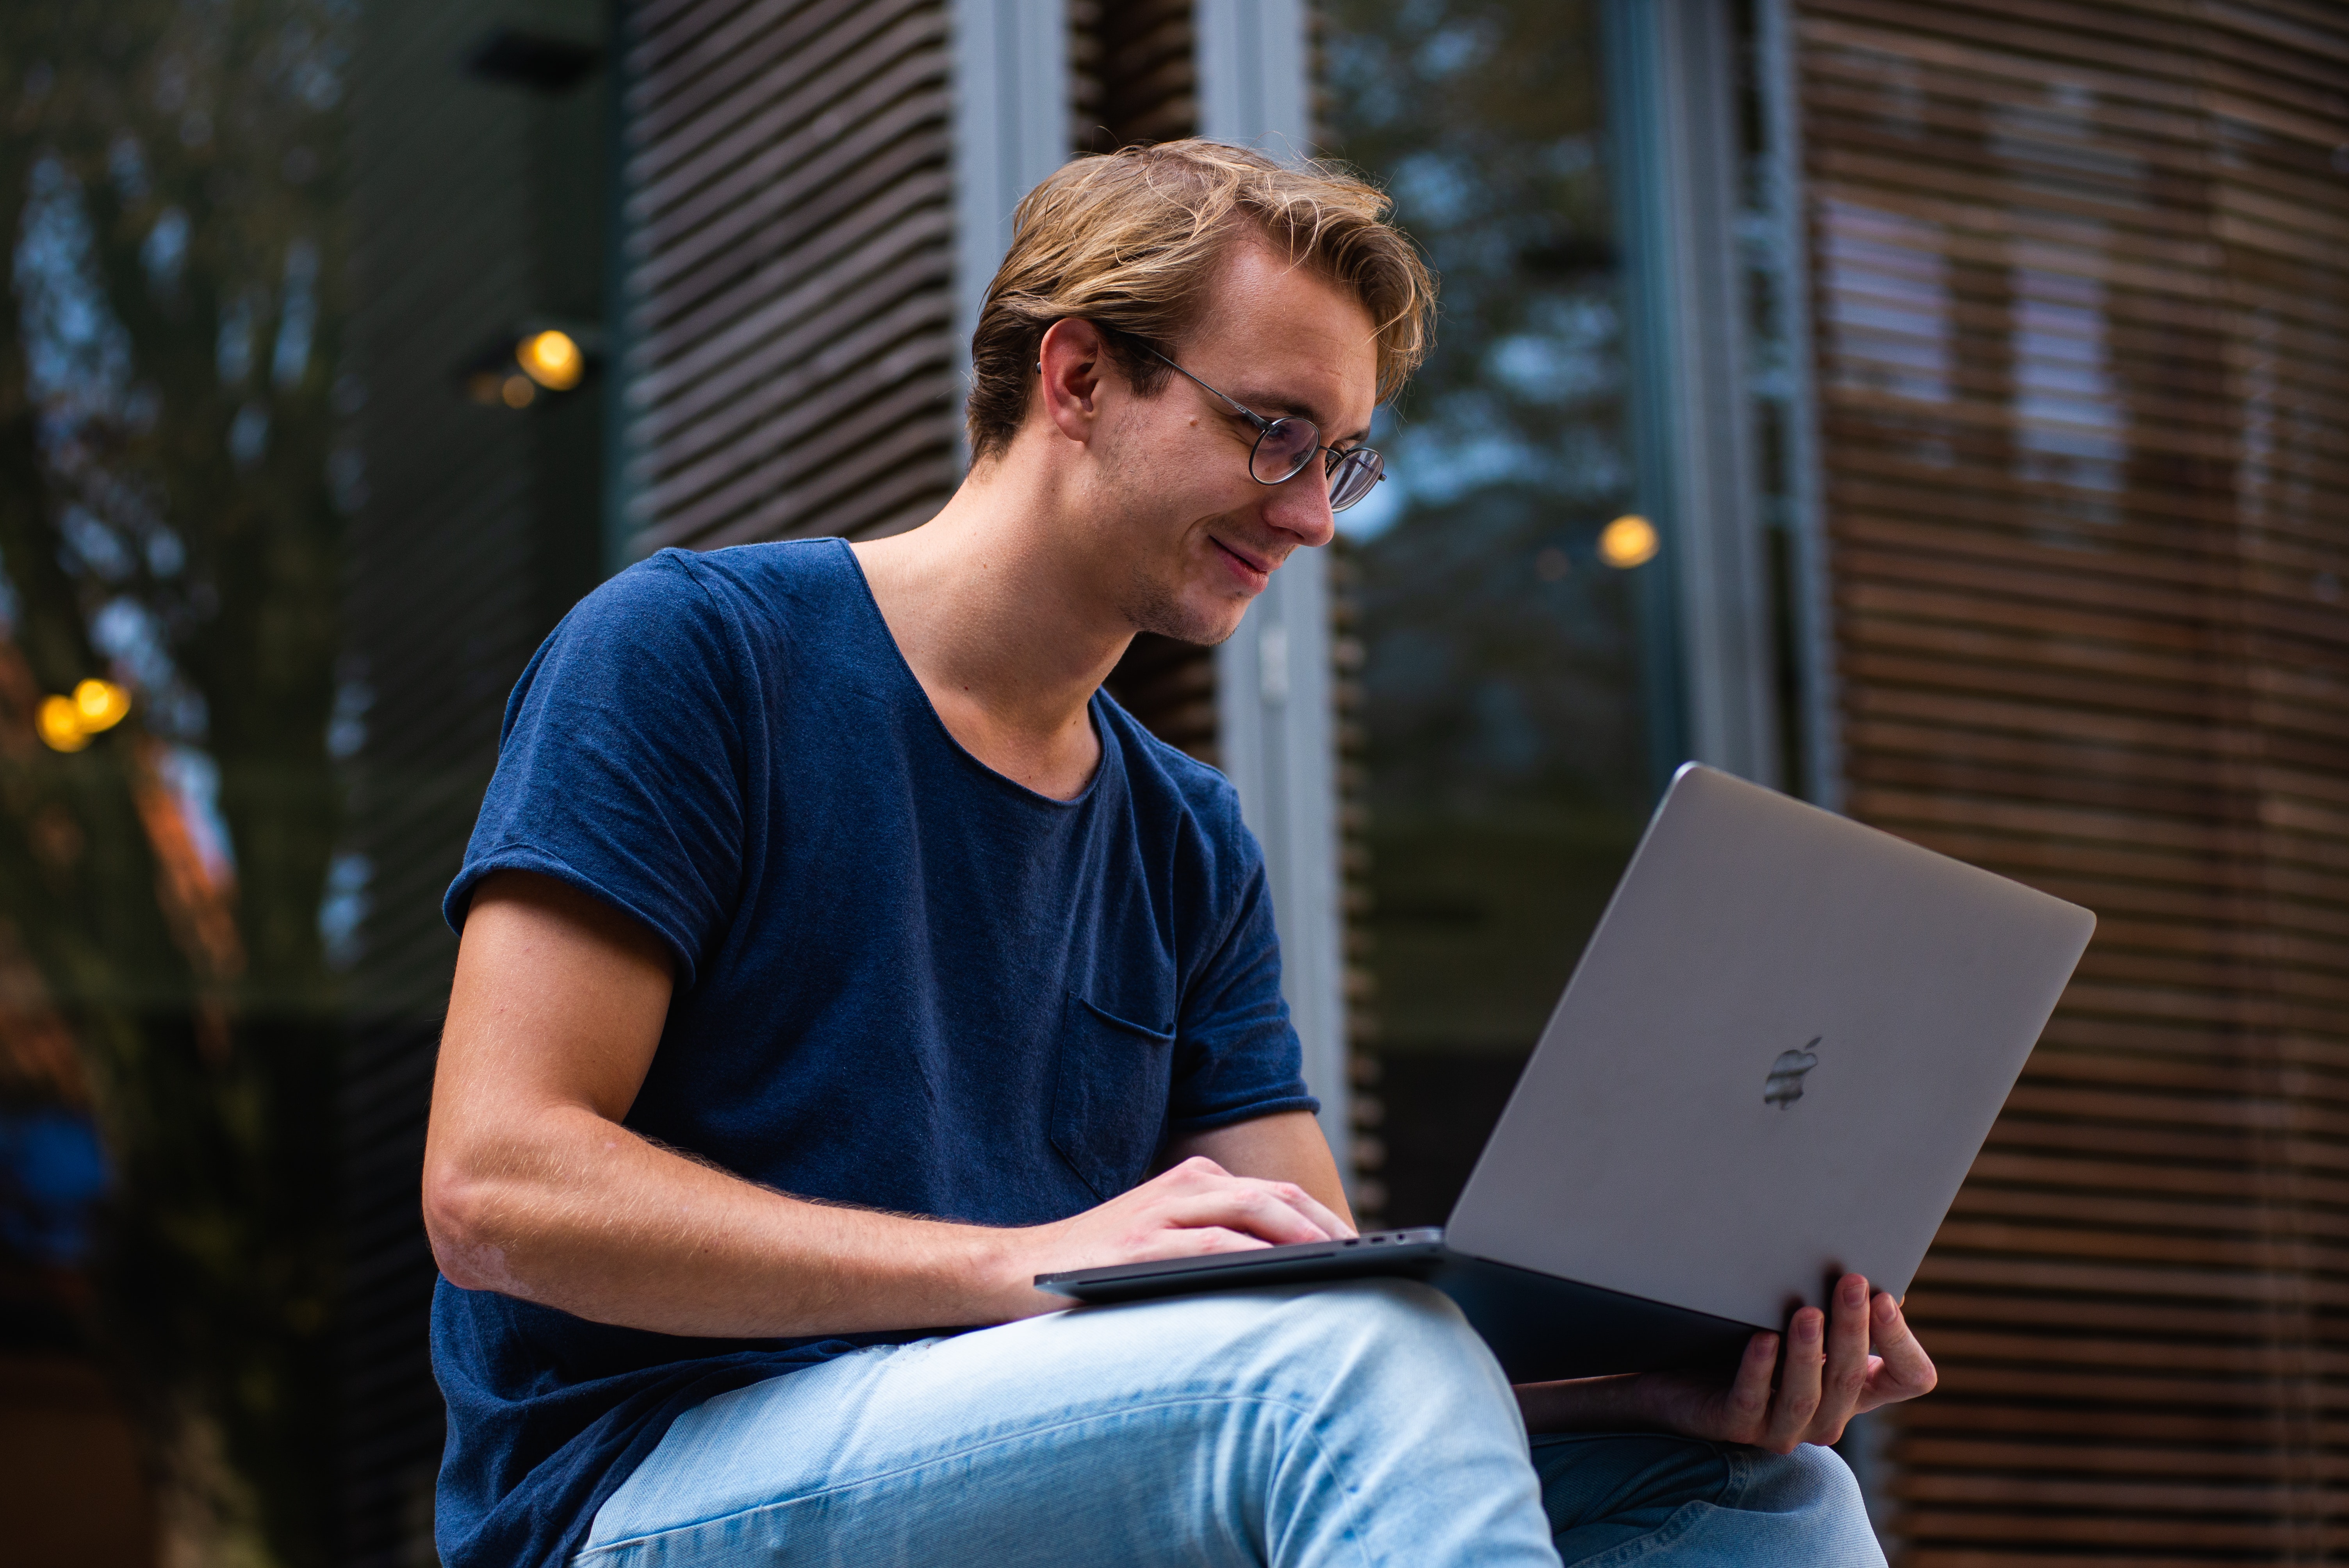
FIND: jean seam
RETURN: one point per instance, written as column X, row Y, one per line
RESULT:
column 1279, row 1401
column 1742, row 1473
column 1686, row 1517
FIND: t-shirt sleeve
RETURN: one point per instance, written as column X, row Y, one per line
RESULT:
column 1236, row 1055
column 621, row 761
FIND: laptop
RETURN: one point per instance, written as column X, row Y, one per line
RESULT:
column 1774, row 1064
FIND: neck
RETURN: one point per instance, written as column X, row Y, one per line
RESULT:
column 1005, row 622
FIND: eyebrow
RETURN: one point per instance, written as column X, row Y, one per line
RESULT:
column 1282, row 405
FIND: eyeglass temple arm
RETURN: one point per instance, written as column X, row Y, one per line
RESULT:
column 1242, row 409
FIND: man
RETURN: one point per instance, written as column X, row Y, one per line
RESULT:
column 837, row 957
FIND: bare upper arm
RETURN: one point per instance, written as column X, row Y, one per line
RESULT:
column 1285, row 1146
column 558, row 1003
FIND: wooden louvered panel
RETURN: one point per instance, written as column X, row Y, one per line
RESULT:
column 1170, row 687
column 1134, row 63
column 1366, row 1102
column 2082, row 299
column 788, row 208
column 477, row 530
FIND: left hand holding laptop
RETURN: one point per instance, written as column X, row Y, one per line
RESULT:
column 1861, row 1358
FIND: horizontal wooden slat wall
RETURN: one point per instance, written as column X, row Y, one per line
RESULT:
column 789, row 208
column 2081, row 285
column 788, row 211
column 1134, row 79
column 1137, row 70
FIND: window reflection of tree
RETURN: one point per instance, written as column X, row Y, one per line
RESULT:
column 168, row 518
column 1508, row 775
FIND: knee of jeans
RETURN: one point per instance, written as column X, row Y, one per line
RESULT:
column 1810, row 1478
column 1386, row 1324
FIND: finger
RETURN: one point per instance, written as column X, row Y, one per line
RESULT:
column 1798, row 1382
column 1313, row 1209
column 1303, row 1204
column 1192, row 1172
column 1194, row 1242
column 1903, row 1371
column 1252, row 1207
column 1299, row 1201
column 1199, row 1173
column 1747, row 1403
column 1846, row 1375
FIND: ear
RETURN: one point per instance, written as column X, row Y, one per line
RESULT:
column 1073, row 364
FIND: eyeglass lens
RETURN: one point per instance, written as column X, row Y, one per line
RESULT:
column 1285, row 446
column 1351, row 477
column 1282, row 450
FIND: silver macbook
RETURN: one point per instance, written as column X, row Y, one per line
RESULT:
column 1781, row 1051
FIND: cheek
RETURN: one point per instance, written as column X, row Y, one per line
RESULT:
column 1166, row 475
column 1168, row 482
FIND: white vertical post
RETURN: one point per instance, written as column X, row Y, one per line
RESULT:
column 1253, row 87
column 1011, row 129
column 1774, row 27
column 1673, row 69
column 1275, row 698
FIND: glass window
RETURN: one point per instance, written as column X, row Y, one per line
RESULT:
column 301, row 403
column 1499, row 599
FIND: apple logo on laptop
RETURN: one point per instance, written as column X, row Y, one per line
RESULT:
column 1784, row 1086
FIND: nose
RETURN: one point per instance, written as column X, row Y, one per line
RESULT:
column 1299, row 507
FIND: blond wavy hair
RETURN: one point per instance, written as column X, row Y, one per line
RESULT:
column 1130, row 240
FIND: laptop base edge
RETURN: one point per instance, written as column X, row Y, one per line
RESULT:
column 1540, row 1328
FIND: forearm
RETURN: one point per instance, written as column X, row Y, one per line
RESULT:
column 573, row 1211
column 533, row 1188
column 1584, row 1404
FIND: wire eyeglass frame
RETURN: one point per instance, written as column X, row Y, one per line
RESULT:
column 1351, row 472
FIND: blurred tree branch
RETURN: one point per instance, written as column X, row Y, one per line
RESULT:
column 171, row 177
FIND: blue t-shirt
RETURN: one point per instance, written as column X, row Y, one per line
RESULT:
column 902, row 980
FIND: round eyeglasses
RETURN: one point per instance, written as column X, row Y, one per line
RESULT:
column 1284, row 445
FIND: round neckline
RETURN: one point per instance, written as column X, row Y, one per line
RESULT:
column 921, row 698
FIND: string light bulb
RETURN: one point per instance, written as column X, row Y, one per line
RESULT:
column 1630, row 540
column 552, row 359
column 99, row 705
column 59, row 723
column 67, row 723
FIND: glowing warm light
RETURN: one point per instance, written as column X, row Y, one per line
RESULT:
column 518, row 392
column 99, row 705
column 1627, row 541
column 60, row 722
column 552, row 359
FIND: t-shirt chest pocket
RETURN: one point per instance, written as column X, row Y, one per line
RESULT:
column 1109, row 1096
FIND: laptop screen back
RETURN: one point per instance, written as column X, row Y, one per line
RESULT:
column 1778, row 1056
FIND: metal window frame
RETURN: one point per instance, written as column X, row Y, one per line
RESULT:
column 1780, row 89
column 1671, row 114
column 1011, row 129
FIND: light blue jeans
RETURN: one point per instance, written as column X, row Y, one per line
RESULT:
column 1361, row 1424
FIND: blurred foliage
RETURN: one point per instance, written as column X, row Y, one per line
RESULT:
column 168, row 170
column 1498, row 664
column 1506, row 730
